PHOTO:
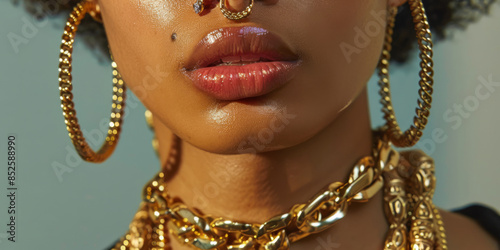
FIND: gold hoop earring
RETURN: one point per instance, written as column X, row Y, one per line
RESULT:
column 411, row 136
column 65, row 87
column 235, row 15
column 149, row 120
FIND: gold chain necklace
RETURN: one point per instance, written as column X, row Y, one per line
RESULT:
column 414, row 221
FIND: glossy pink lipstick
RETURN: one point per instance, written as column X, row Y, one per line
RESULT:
column 240, row 62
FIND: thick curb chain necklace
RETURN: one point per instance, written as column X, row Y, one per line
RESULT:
column 414, row 222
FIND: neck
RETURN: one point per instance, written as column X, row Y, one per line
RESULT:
column 254, row 188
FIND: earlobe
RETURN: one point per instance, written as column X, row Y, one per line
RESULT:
column 396, row 3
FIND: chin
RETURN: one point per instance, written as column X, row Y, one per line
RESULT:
column 247, row 132
column 240, row 128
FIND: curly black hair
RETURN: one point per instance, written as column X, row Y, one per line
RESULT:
column 441, row 14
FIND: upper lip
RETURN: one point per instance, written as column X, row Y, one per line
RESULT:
column 248, row 44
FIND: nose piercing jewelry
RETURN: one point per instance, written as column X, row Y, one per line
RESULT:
column 235, row 15
column 198, row 6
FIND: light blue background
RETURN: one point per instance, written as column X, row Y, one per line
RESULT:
column 93, row 205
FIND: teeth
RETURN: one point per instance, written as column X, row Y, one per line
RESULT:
column 250, row 58
column 231, row 59
column 240, row 60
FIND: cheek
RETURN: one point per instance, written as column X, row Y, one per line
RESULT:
column 343, row 43
column 341, row 48
column 139, row 34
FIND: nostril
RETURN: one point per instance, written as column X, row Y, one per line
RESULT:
column 236, row 5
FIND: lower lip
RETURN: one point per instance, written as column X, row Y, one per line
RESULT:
column 235, row 82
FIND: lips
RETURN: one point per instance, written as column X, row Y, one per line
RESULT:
column 240, row 62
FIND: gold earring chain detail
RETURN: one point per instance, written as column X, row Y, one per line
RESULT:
column 411, row 136
column 66, row 86
column 235, row 15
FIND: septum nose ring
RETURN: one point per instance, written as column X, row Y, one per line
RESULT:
column 199, row 6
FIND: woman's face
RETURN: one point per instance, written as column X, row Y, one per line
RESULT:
column 329, row 47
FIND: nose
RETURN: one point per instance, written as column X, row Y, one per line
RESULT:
column 237, row 5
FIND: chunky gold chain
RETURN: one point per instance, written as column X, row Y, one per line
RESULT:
column 414, row 221
column 411, row 136
column 321, row 212
column 66, row 86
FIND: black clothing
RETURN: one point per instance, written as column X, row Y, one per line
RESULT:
column 486, row 217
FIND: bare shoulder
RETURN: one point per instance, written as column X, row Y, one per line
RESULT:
column 464, row 233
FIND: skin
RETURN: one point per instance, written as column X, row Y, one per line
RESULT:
column 327, row 130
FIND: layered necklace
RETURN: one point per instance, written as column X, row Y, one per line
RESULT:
column 407, row 179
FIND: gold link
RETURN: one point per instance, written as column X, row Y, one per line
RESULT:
column 363, row 164
column 370, row 191
column 207, row 243
column 245, row 245
column 312, row 207
column 191, row 218
column 178, row 230
column 274, row 224
column 230, row 226
column 278, row 242
column 310, row 226
column 349, row 190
